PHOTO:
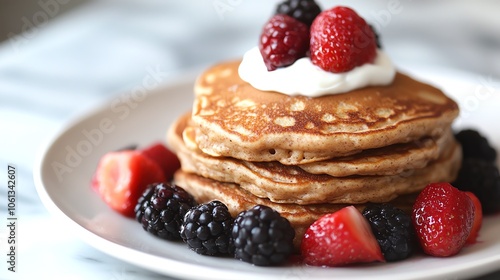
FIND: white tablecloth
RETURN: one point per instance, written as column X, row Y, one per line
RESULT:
column 69, row 64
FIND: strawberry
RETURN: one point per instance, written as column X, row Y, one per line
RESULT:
column 340, row 238
column 341, row 40
column 121, row 177
column 443, row 217
column 478, row 219
column 165, row 158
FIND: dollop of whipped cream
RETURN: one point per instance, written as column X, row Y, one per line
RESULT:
column 305, row 78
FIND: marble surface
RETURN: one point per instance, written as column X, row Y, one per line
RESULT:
column 70, row 64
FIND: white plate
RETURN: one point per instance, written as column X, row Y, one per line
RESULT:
column 74, row 154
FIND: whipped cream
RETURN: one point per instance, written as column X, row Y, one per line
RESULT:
column 305, row 78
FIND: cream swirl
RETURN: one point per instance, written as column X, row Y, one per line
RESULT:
column 307, row 79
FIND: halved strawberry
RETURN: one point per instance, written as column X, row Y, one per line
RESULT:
column 341, row 238
column 121, row 177
column 478, row 219
column 165, row 158
column 442, row 216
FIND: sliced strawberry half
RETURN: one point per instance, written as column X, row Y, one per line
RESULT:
column 121, row 177
column 478, row 219
column 165, row 158
column 341, row 238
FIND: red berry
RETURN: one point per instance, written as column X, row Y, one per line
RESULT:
column 341, row 238
column 165, row 158
column 283, row 41
column 341, row 40
column 443, row 217
column 121, row 177
column 478, row 219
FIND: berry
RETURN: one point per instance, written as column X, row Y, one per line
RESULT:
column 478, row 219
column 377, row 37
column 393, row 230
column 161, row 209
column 130, row 147
column 122, row 176
column 443, row 217
column 165, row 158
column 302, row 10
column 482, row 178
column 283, row 41
column 262, row 236
column 340, row 238
column 207, row 229
column 341, row 40
column 475, row 145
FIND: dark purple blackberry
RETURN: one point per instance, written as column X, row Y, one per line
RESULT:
column 377, row 37
column 475, row 145
column 302, row 10
column 482, row 178
column 393, row 230
column 207, row 229
column 161, row 209
column 261, row 236
column 130, row 147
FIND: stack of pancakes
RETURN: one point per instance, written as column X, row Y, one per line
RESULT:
column 306, row 157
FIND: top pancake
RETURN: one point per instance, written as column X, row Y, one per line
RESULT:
column 231, row 118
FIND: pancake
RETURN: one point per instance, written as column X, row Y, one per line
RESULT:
column 237, row 200
column 291, row 184
column 233, row 119
column 390, row 160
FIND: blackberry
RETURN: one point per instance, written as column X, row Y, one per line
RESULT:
column 393, row 230
column 303, row 10
column 475, row 145
column 207, row 229
column 482, row 178
column 377, row 37
column 130, row 147
column 261, row 236
column 161, row 209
